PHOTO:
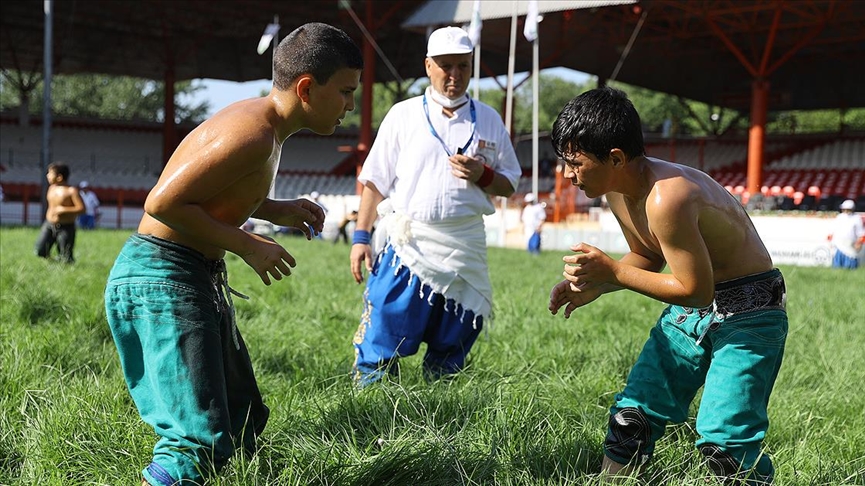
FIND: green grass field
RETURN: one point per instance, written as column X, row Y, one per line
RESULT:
column 531, row 409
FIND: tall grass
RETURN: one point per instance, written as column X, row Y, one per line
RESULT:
column 531, row 408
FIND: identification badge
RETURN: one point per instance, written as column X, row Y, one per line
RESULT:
column 487, row 151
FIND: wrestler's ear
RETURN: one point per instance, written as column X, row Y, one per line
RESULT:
column 618, row 158
column 302, row 86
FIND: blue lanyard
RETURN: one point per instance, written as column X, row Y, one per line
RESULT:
column 436, row 135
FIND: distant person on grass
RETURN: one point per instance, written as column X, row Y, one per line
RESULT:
column 342, row 232
column 533, row 216
column 64, row 206
column 435, row 163
column 725, row 326
column 168, row 301
column 91, row 204
column 847, row 237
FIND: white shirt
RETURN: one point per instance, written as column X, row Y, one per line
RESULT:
column 432, row 218
column 533, row 217
column 409, row 165
column 846, row 230
column 91, row 202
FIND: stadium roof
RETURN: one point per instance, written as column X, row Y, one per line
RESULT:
column 441, row 12
column 811, row 51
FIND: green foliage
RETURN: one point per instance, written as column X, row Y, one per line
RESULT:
column 125, row 98
column 103, row 97
column 553, row 93
column 531, row 408
column 384, row 96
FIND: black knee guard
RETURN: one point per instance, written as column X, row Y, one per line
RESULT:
column 729, row 469
column 628, row 437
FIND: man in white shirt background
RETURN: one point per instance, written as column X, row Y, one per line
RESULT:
column 533, row 217
column 847, row 237
column 91, row 205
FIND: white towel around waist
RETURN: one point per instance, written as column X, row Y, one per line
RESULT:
column 449, row 257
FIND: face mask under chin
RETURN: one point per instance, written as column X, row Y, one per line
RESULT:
column 444, row 100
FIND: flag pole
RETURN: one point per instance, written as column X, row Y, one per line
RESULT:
column 475, row 36
column 535, row 83
column 530, row 31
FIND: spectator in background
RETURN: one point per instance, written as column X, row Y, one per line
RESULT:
column 343, row 227
column 91, row 205
column 64, row 205
column 533, row 217
column 435, row 163
column 847, row 237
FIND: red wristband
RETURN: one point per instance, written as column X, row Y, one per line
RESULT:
column 487, row 177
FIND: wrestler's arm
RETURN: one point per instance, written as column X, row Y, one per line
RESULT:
column 366, row 216
column 672, row 210
column 580, row 286
column 301, row 214
column 199, row 172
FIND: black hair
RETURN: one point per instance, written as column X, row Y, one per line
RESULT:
column 317, row 49
column 596, row 122
column 60, row 169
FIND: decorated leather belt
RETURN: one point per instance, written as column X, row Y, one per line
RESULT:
column 762, row 291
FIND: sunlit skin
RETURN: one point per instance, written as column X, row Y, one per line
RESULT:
column 221, row 173
column 64, row 201
column 670, row 215
column 449, row 75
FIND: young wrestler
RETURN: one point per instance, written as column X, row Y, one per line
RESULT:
column 168, row 301
column 725, row 327
column 64, row 206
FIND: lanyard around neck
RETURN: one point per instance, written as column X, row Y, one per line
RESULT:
column 432, row 130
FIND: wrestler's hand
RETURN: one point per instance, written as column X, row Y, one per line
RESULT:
column 563, row 295
column 301, row 214
column 588, row 268
column 465, row 167
column 360, row 253
column 267, row 258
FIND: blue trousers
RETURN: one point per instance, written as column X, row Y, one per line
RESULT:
column 534, row 245
column 186, row 366
column 840, row 260
column 399, row 314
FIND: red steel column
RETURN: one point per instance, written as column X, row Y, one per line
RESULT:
column 757, row 134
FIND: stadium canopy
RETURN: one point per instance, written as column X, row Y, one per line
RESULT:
column 747, row 55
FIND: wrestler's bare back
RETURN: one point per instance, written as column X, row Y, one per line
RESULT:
column 225, row 166
column 734, row 247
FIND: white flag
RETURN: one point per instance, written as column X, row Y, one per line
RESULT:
column 476, row 24
column 269, row 32
column 530, row 30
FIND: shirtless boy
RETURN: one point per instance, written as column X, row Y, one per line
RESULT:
column 726, row 324
column 64, row 206
column 168, row 302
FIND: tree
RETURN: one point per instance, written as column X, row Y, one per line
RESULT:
column 101, row 96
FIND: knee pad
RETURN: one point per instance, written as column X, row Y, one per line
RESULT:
column 629, row 437
column 730, row 469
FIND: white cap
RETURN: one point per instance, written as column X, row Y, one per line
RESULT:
column 530, row 197
column 314, row 194
column 84, row 184
column 449, row 40
column 848, row 204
